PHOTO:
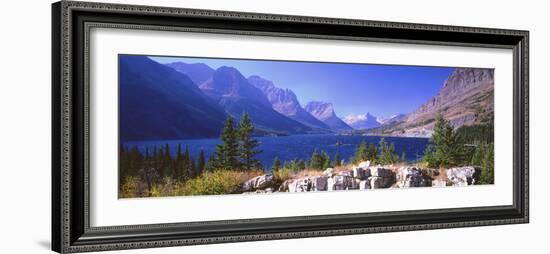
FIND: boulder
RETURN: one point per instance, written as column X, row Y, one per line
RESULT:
column 364, row 164
column 411, row 177
column 340, row 182
column 462, row 176
column 439, row 183
column 354, row 184
column 358, row 173
column 346, row 173
column 284, row 186
column 300, row 185
column 377, row 182
column 380, row 172
column 259, row 182
column 319, row 183
column 329, row 172
column 330, row 184
column 364, row 185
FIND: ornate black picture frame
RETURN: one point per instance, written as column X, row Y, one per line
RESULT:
column 71, row 231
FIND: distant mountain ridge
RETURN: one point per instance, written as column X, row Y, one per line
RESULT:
column 364, row 121
column 286, row 102
column 324, row 111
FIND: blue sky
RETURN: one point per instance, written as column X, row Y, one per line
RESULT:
column 382, row 90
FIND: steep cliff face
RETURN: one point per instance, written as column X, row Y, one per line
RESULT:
column 286, row 102
column 230, row 89
column 324, row 111
column 466, row 98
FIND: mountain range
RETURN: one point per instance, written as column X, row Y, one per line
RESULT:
column 466, row 98
column 175, row 109
column 286, row 102
column 324, row 111
column 182, row 100
column 365, row 121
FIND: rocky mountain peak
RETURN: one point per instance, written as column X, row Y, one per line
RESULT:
column 198, row 72
column 285, row 102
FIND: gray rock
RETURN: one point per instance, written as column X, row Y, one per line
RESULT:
column 354, row 184
column 411, row 177
column 259, row 182
column 358, row 173
column 462, row 176
column 319, row 183
column 300, row 185
column 377, row 182
column 341, row 182
column 284, row 186
column 364, row 185
column 380, row 172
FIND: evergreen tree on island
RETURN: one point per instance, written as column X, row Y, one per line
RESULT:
column 247, row 144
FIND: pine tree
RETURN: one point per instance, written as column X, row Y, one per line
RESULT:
column 487, row 168
column 187, row 164
column 372, row 153
column 326, row 160
column 226, row 156
column 445, row 148
column 276, row 165
column 201, row 162
column 361, row 153
column 316, row 161
column 387, row 152
column 247, row 144
column 167, row 166
column 337, row 159
column 479, row 154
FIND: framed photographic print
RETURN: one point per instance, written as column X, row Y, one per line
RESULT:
column 182, row 126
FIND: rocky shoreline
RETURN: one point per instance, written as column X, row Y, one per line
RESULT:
column 365, row 177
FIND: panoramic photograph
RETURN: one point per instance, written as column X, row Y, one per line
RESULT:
column 217, row 126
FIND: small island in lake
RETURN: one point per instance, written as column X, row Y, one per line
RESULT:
column 198, row 126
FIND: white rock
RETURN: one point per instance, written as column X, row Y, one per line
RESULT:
column 439, row 183
column 259, row 182
column 364, row 164
column 330, row 184
column 410, row 177
column 329, row 172
column 461, row 176
column 301, row 185
column 364, row 185
column 342, row 182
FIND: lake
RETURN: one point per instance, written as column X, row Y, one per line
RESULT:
column 294, row 146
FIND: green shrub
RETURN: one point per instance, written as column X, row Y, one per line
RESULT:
column 215, row 183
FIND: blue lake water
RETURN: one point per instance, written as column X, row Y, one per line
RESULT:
column 294, row 146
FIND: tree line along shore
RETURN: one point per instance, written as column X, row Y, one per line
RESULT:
column 233, row 166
